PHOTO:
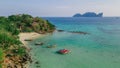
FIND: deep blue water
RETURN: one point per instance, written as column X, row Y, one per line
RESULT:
column 98, row 49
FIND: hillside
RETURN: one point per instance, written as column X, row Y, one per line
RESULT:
column 12, row 52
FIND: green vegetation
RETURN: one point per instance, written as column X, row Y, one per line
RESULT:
column 11, row 26
column 7, row 40
column 1, row 57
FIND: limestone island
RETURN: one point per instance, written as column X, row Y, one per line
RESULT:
column 88, row 14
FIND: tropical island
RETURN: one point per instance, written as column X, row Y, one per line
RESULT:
column 88, row 14
column 13, row 53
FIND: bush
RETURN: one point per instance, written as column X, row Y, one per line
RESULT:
column 1, row 57
column 20, row 51
column 7, row 40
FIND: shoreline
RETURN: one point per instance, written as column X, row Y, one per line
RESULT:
column 31, row 35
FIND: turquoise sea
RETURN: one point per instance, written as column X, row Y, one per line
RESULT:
column 98, row 49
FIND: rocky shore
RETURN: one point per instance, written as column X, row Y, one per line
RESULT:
column 26, row 59
column 15, row 61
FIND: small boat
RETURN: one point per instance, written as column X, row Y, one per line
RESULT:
column 28, row 40
column 63, row 51
column 39, row 43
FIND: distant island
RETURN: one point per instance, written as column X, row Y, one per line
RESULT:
column 88, row 14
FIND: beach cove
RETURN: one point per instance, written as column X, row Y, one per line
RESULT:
column 59, row 34
column 14, row 31
column 30, row 35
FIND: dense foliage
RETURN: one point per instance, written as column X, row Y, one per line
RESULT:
column 11, row 26
column 1, row 57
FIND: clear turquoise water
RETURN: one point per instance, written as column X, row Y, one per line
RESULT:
column 99, row 49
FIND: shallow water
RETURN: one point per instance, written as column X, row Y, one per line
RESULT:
column 98, row 49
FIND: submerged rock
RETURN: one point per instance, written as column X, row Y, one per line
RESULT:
column 37, row 62
column 51, row 46
column 60, row 30
column 79, row 32
column 38, row 66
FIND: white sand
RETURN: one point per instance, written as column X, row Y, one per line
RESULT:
column 31, row 35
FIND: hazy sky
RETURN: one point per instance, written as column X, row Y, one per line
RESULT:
column 59, row 7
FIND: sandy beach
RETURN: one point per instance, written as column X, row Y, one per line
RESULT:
column 31, row 35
